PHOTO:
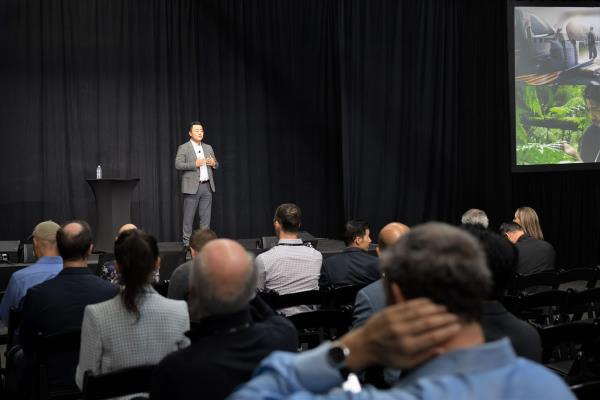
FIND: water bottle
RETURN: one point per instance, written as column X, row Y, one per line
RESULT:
column 99, row 172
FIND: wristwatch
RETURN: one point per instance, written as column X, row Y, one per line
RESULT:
column 337, row 355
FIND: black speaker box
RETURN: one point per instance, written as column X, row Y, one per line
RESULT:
column 9, row 251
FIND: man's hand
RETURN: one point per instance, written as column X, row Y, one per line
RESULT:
column 200, row 162
column 211, row 162
column 401, row 336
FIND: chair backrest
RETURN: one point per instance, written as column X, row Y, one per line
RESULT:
column 587, row 391
column 342, row 296
column 547, row 278
column 310, row 297
column 545, row 308
column 314, row 327
column 588, row 275
column 162, row 287
column 55, row 357
column 14, row 321
column 578, row 333
column 117, row 383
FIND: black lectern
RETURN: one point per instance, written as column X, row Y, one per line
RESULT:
column 113, row 209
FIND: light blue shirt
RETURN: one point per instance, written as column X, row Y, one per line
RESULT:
column 22, row 280
column 490, row 371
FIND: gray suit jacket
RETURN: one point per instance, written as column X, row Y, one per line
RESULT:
column 185, row 161
column 112, row 338
column 369, row 300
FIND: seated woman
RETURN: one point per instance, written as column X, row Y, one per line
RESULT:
column 528, row 219
column 138, row 326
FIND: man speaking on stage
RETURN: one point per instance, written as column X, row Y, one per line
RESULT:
column 197, row 161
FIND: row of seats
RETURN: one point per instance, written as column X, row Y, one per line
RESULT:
column 556, row 279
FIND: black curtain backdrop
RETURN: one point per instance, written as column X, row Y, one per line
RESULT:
column 382, row 110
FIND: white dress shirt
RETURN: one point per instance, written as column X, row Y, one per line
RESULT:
column 200, row 154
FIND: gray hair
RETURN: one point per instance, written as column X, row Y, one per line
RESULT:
column 440, row 262
column 475, row 216
column 207, row 299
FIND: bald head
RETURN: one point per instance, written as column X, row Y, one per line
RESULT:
column 389, row 234
column 74, row 241
column 223, row 279
column 126, row 227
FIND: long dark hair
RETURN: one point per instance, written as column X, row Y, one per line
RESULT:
column 136, row 253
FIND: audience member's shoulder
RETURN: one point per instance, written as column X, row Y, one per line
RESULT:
column 538, row 381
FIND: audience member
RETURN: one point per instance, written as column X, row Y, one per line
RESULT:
column 57, row 305
column 496, row 321
column 371, row 298
column 179, row 282
column 354, row 266
column 535, row 255
column 528, row 219
column 109, row 270
column 47, row 266
column 450, row 360
column 475, row 217
column 138, row 326
column 290, row 266
column 227, row 342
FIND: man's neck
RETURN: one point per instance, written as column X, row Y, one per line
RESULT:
column 288, row 235
column 197, row 143
column 49, row 254
column 470, row 335
column 81, row 263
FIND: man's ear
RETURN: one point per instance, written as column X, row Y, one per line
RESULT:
column 378, row 251
column 397, row 293
column 157, row 264
column 90, row 250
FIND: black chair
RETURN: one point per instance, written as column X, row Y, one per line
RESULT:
column 310, row 297
column 587, row 391
column 586, row 302
column 570, row 349
column 314, row 327
column 536, row 282
column 14, row 318
column 55, row 357
column 341, row 297
column 587, row 276
column 123, row 382
column 511, row 303
column 545, row 308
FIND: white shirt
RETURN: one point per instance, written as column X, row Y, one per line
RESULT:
column 200, row 154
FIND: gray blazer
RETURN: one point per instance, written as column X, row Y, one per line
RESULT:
column 185, row 161
column 112, row 338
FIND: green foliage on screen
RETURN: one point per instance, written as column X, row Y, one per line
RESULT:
column 548, row 115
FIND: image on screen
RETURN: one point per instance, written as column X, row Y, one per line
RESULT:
column 556, row 85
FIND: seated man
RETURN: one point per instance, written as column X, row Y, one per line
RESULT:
column 354, row 266
column 179, row 282
column 57, row 305
column 290, row 266
column 534, row 255
column 475, row 218
column 497, row 322
column 371, row 298
column 448, row 357
column 231, row 333
column 47, row 266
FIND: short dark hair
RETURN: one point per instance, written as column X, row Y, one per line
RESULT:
column 501, row 256
column 191, row 125
column 74, row 247
column 592, row 92
column 289, row 216
column 200, row 237
column 507, row 227
column 442, row 263
column 355, row 228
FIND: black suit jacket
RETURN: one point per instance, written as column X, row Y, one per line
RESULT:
column 56, row 306
column 224, row 352
column 352, row 267
column 498, row 323
column 534, row 255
